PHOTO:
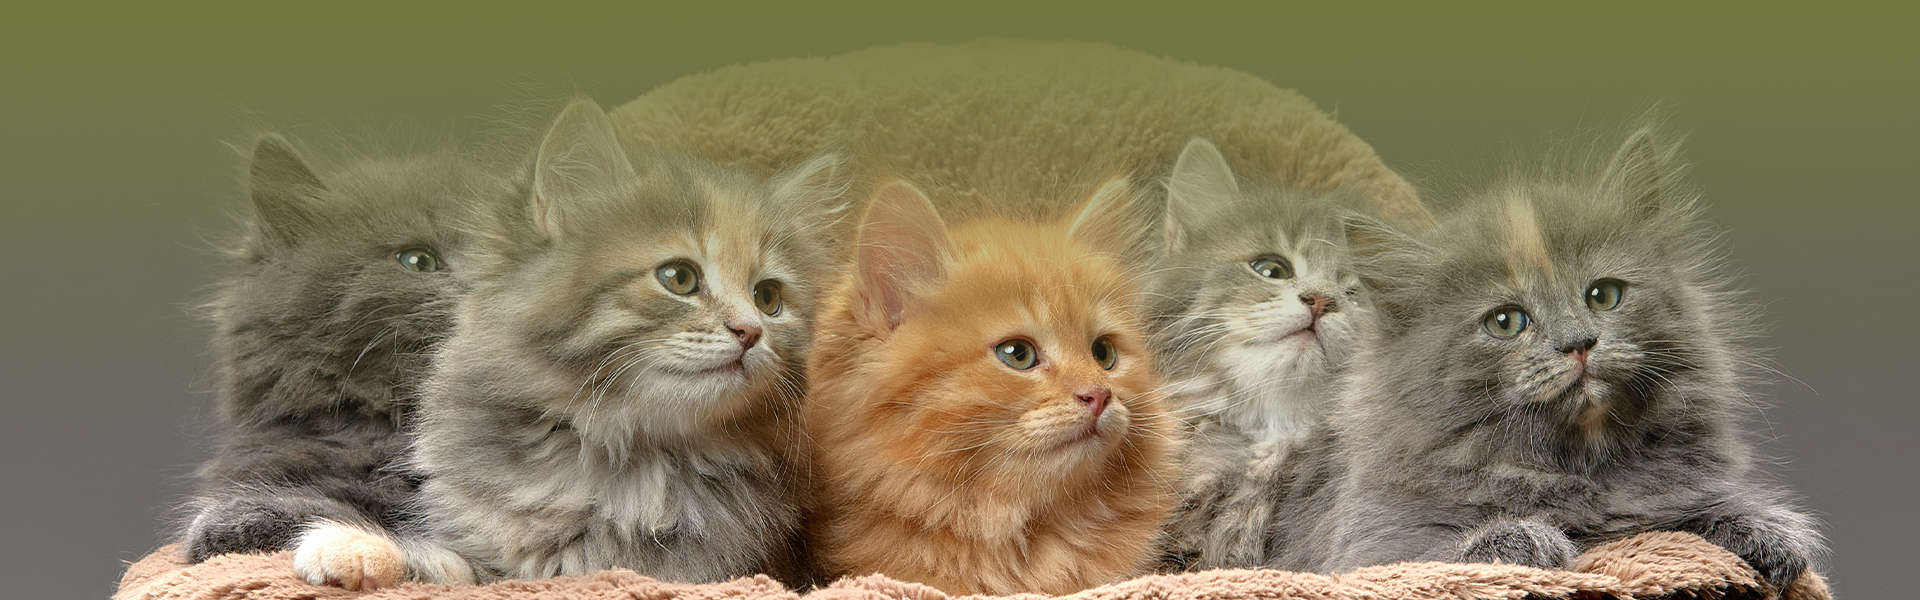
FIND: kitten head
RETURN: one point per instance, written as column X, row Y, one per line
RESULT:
column 1254, row 302
column 661, row 297
column 348, row 278
column 1586, row 305
column 1006, row 352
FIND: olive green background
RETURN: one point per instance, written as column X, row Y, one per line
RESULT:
column 114, row 176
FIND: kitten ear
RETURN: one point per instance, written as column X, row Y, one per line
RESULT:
column 284, row 189
column 579, row 158
column 815, row 190
column 1646, row 172
column 1200, row 186
column 903, row 243
column 1113, row 219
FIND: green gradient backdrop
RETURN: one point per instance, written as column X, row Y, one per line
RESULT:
column 111, row 118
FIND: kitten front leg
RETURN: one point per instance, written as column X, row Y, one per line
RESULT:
column 1777, row 542
column 361, row 556
column 266, row 521
column 1527, row 542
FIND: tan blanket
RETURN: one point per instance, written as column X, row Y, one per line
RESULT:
column 1654, row 565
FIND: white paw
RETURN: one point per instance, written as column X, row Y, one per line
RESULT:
column 333, row 553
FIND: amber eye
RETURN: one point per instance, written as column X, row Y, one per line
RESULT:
column 1605, row 294
column 1272, row 267
column 679, row 277
column 1017, row 353
column 418, row 260
column 1506, row 322
column 766, row 295
column 1105, row 353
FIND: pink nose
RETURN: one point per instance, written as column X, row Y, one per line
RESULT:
column 1317, row 303
column 748, row 333
column 1095, row 399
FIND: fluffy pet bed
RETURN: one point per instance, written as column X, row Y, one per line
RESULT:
column 1040, row 120
column 1654, row 565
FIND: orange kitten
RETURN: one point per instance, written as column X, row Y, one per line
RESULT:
column 985, row 414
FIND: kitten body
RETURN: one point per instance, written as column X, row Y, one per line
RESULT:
column 621, row 389
column 943, row 462
column 1253, row 311
column 1612, row 410
column 322, row 337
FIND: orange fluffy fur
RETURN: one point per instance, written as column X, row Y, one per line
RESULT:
column 940, row 464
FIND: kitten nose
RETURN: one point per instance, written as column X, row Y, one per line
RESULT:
column 1580, row 348
column 1094, row 398
column 1318, row 303
column 747, row 331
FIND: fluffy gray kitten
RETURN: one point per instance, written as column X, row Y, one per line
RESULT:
column 622, row 383
column 1253, row 311
column 1562, row 363
column 321, row 336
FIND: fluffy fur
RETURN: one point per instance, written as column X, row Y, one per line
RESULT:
column 1253, row 312
column 1593, row 423
column 942, row 464
column 587, row 413
column 1009, row 128
column 322, row 336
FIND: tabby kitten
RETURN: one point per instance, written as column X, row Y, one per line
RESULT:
column 622, row 383
column 984, row 410
column 321, row 336
column 1562, row 363
column 1253, row 311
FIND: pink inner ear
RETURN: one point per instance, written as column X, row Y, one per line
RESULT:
column 902, row 243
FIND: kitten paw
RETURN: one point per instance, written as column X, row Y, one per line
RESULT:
column 333, row 553
column 1779, row 549
column 239, row 526
column 1525, row 543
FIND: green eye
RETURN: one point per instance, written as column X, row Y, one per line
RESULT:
column 418, row 260
column 1605, row 294
column 1105, row 353
column 679, row 277
column 1017, row 353
column 766, row 295
column 1506, row 322
column 1272, row 268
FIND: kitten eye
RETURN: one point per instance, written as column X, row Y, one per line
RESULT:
column 1507, row 322
column 679, row 277
column 1272, row 267
column 1105, row 353
column 1605, row 294
column 1017, row 353
column 766, row 295
column 418, row 260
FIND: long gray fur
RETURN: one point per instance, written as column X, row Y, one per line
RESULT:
column 1451, row 444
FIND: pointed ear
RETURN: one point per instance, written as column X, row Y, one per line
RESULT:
column 579, row 158
column 815, row 190
column 903, row 244
column 1201, row 185
column 1646, row 172
column 284, row 189
column 1113, row 219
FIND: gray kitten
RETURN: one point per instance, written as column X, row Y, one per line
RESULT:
column 622, row 383
column 321, row 336
column 1253, row 311
column 1562, row 363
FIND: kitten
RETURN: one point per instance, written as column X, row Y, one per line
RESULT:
column 1252, row 312
column 984, row 410
column 622, row 385
column 322, row 335
column 1562, row 363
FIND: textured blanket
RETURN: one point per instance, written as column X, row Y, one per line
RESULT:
column 1654, row 565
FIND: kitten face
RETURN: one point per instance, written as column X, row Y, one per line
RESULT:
column 358, row 266
column 1254, row 291
column 1581, row 302
column 664, row 300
